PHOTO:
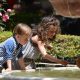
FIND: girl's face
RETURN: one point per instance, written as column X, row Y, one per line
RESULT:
column 22, row 39
column 52, row 31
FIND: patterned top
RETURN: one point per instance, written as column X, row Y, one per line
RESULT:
column 29, row 50
column 7, row 49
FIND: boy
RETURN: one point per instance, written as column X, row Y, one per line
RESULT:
column 8, row 48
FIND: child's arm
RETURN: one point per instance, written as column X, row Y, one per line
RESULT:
column 47, row 56
column 53, row 59
column 9, row 65
column 21, row 63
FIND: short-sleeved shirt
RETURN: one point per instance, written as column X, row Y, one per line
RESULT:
column 6, row 49
column 29, row 50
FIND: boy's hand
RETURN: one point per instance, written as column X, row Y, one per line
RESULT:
column 8, row 70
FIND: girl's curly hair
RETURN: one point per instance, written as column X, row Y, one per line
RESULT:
column 43, row 27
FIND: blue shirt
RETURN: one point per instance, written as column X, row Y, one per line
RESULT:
column 7, row 49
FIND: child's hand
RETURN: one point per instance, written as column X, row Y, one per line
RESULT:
column 78, row 62
column 49, row 47
column 8, row 70
column 64, row 63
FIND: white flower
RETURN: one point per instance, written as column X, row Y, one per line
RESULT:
column 9, row 10
column 0, row 14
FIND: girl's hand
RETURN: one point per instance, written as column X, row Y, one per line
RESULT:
column 78, row 62
column 49, row 47
column 64, row 63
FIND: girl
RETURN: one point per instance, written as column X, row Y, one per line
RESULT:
column 42, row 35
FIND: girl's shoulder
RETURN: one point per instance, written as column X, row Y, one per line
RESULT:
column 34, row 39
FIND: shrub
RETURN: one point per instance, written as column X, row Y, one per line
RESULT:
column 66, row 46
column 4, row 35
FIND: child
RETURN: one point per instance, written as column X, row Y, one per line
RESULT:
column 8, row 48
column 42, row 35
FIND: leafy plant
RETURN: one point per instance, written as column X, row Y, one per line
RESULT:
column 6, row 17
column 66, row 46
column 4, row 35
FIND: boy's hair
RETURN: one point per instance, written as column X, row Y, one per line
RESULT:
column 43, row 27
column 22, row 29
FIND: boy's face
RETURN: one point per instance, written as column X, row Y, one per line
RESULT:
column 22, row 39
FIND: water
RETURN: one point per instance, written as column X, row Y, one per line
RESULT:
column 45, row 74
column 55, row 73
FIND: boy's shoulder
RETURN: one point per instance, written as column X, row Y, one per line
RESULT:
column 10, row 40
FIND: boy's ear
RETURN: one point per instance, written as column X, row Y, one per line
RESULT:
column 17, row 36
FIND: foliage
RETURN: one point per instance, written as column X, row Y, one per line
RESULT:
column 4, row 35
column 28, row 18
column 66, row 46
column 6, row 17
column 24, row 17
